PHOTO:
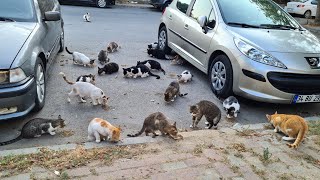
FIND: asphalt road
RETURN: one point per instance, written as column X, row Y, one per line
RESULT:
column 131, row 100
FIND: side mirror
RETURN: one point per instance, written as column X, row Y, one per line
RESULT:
column 202, row 20
column 52, row 16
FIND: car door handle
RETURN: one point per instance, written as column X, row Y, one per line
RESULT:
column 170, row 17
column 186, row 26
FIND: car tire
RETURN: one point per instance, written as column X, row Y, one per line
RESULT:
column 101, row 3
column 221, row 70
column 307, row 14
column 61, row 49
column 163, row 40
column 40, row 78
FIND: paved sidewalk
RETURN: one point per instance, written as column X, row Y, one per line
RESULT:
column 205, row 154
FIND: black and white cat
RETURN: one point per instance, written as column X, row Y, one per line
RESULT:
column 185, row 76
column 152, row 64
column 79, row 58
column 153, row 45
column 86, row 17
column 140, row 70
column 231, row 106
column 87, row 78
column 157, row 53
column 109, row 68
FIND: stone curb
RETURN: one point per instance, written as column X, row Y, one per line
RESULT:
column 141, row 6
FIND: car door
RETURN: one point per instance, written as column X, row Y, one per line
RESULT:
column 314, row 4
column 198, row 42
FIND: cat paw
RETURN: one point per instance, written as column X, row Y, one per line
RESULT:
column 52, row 133
column 288, row 138
column 69, row 100
column 206, row 123
column 275, row 130
column 98, row 141
column 191, row 126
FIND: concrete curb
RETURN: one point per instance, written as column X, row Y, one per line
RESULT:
column 140, row 6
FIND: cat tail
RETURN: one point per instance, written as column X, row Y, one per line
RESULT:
column 164, row 72
column 65, row 78
column 68, row 51
column 215, row 123
column 11, row 141
column 181, row 95
column 300, row 136
column 139, row 133
column 151, row 74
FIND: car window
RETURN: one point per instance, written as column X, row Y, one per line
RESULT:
column 183, row 5
column 201, row 8
column 314, row 2
column 45, row 5
column 17, row 10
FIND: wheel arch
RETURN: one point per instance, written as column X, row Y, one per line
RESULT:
column 214, row 55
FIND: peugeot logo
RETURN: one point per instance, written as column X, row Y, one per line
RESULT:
column 314, row 62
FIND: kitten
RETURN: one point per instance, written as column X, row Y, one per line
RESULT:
column 172, row 91
column 157, row 53
column 153, row 45
column 207, row 109
column 185, row 76
column 152, row 64
column 112, row 47
column 86, row 17
column 158, row 121
column 109, row 68
column 36, row 127
column 177, row 60
column 85, row 89
column 103, row 57
column 293, row 126
column 139, row 70
column 231, row 106
column 79, row 58
column 100, row 129
column 87, row 78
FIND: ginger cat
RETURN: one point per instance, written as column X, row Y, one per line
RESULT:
column 100, row 129
column 292, row 125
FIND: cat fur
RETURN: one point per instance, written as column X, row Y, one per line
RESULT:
column 208, row 109
column 152, row 65
column 140, row 70
column 109, row 68
column 100, row 129
column 112, row 47
column 231, row 106
column 173, row 91
column 79, row 58
column 185, row 76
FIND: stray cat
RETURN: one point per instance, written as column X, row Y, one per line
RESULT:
column 207, row 109
column 177, row 60
column 79, row 58
column 185, row 76
column 109, row 68
column 36, row 127
column 293, row 126
column 139, row 70
column 103, row 57
column 172, row 91
column 86, row 17
column 153, row 45
column 158, row 121
column 87, row 78
column 112, row 47
column 100, row 129
column 231, row 106
column 152, row 64
column 85, row 89
column 157, row 53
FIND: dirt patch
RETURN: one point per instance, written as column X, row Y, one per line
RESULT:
column 67, row 133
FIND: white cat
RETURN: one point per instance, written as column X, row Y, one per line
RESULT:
column 100, row 129
column 86, row 17
column 79, row 58
column 231, row 106
column 185, row 76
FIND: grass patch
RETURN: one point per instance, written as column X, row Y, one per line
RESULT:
column 240, row 147
column 314, row 127
column 235, row 168
column 64, row 176
column 198, row 149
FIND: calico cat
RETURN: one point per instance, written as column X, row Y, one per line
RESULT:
column 152, row 64
column 157, row 53
column 103, row 57
column 86, row 17
column 294, row 126
column 79, row 58
column 109, row 68
column 87, row 78
column 112, row 47
column 85, row 89
column 100, row 129
column 172, row 91
column 231, row 106
column 36, row 127
column 185, row 76
column 207, row 109
column 139, row 70
column 158, row 121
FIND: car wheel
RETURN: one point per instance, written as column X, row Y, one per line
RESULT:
column 61, row 42
column 307, row 14
column 221, row 76
column 101, row 3
column 39, row 75
column 163, row 40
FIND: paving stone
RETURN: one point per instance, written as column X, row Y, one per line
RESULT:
column 25, row 176
column 224, row 170
column 185, row 174
column 212, row 154
column 173, row 166
column 84, row 171
column 197, row 161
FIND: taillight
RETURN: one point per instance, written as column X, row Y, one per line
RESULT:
column 300, row 5
column 164, row 9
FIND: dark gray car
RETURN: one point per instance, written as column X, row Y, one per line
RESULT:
column 31, row 36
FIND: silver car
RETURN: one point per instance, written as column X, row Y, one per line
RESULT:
column 249, row 48
column 31, row 36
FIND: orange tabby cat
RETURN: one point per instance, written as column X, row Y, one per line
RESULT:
column 292, row 125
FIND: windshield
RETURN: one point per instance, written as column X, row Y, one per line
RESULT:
column 260, row 13
column 17, row 10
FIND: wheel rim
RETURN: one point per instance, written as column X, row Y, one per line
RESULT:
column 40, row 83
column 62, row 39
column 162, row 39
column 308, row 14
column 102, row 3
column 218, row 75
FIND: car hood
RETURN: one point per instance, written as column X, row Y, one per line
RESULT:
column 283, row 41
column 13, row 36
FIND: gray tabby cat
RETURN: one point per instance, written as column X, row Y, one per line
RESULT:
column 36, row 127
column 207, row 109
column 173, row 91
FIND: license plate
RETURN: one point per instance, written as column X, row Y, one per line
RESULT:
column 305, row 98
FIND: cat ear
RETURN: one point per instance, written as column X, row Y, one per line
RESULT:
column 276, row 112
column 268, row 117
column 175, row 123
column 59, row 117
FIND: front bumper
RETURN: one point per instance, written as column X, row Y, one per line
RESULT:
column 21, row 96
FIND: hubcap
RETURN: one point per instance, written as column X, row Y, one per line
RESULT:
column 40, row 83
column 162, row 39
column 308, row 14
column 218, row 75
column 102, row 3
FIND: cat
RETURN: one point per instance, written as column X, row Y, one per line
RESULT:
column 112, row 47
column 36, row 127
column 157, row 53
column 177, row 60
column 85, row 89
column 152, row 64
column 158, row 121
column 207, row 109
column 100, row 129
column 172, row 91
column 79, row 58
column 103, row 57
column 87, row 78
column 139, row 70
column 185, row 76
column 109, row 68
column 293, row 126
column 153, row 45
column 231, row 106
column 86, row 17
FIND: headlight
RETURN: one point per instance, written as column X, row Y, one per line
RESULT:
column 17, row 75
column 257, row 55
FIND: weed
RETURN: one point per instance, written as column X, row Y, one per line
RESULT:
column 266, row 154
column 198, row 149
column 64, row 176
column 235, row 168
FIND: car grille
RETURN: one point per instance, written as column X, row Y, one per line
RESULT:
column 302, row 84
